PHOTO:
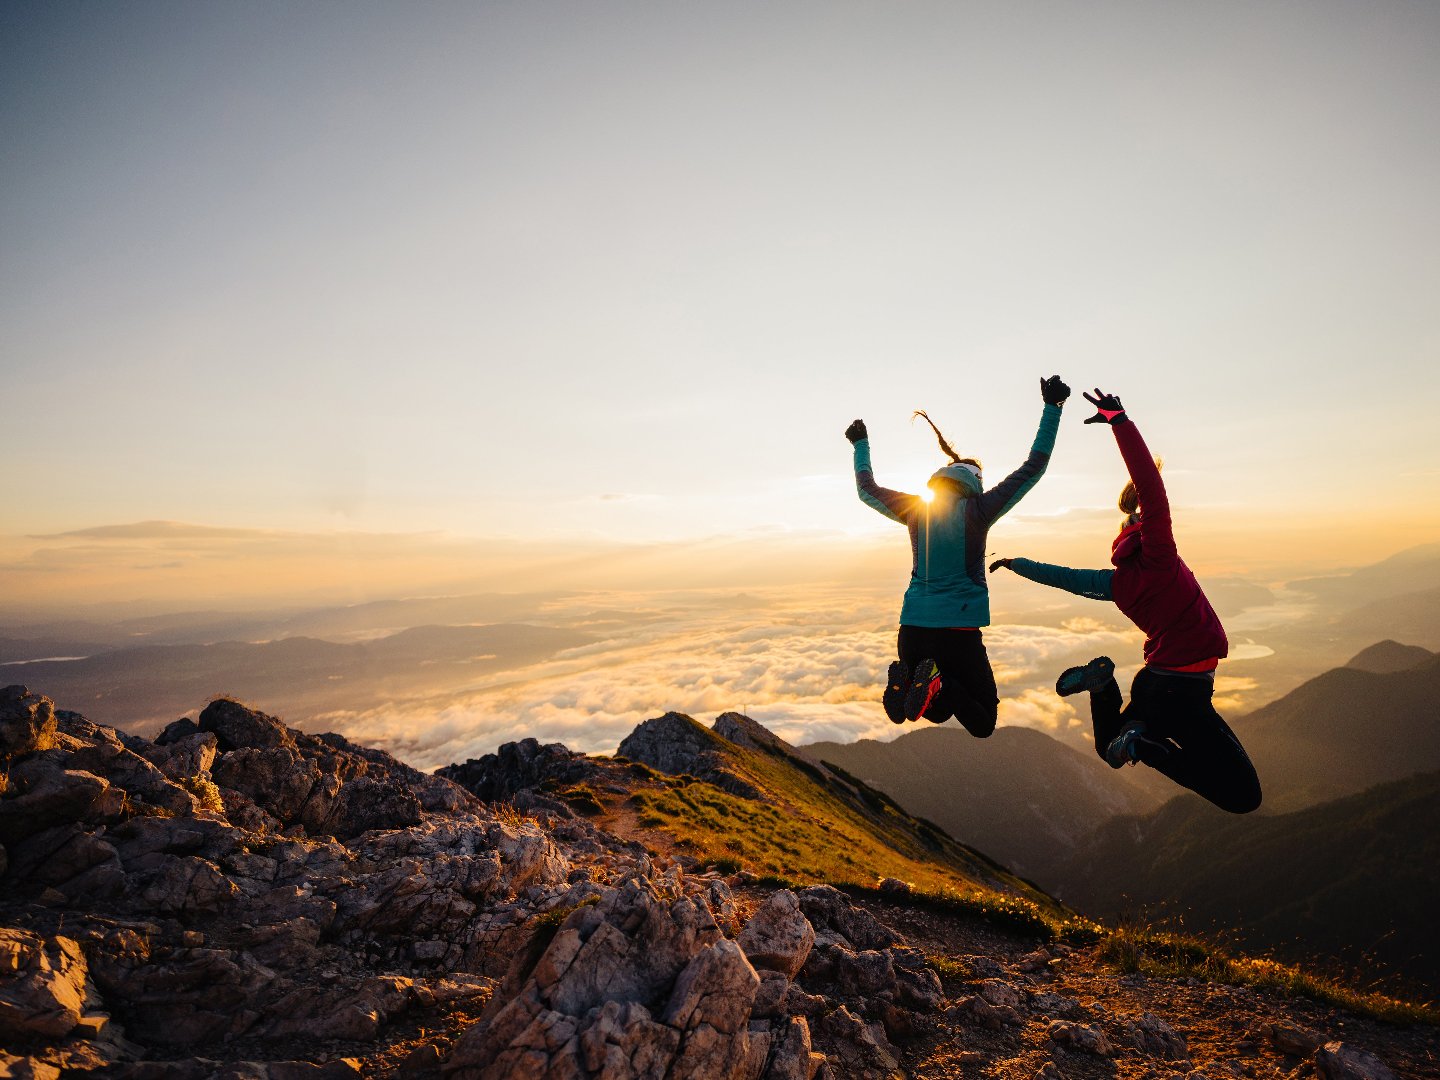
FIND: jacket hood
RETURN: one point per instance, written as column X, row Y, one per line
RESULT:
column 966, row 476
column 1127, row 544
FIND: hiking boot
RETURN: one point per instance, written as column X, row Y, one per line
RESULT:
column 924, row 685
column 1091, row 676
column 1124, row 749
column 897, row 684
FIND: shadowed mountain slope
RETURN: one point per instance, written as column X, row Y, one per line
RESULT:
column 1020, row 796
column 1344, row 731
column 1355, row 878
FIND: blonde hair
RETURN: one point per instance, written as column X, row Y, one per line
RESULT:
column 955, row 459
column 1129, row 501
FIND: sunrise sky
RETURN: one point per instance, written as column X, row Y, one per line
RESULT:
column 386, row 291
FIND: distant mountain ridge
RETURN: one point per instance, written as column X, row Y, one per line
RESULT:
column 1345, row 731
column 1386, row 657
column 145, row 686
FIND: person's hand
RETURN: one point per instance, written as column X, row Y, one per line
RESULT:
column 999, row 563
column 856, row 431
column 1108, row 409
column 1053, row 390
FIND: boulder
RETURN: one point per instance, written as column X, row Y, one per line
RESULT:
column 44, row 793
column 1340, row 1061
column 778, row 937
column 638, row 984
column 829, row 909
column 1080, row 1038
column 854, row 1049
column 237, row 727
column 1153, row 1036
column 792, row 1057
column 42, row 985
column 27, row 722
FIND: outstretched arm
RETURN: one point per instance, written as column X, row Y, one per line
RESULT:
column 999, row 500
column 896, row 505
column 1157, row 533
column 1095, row 584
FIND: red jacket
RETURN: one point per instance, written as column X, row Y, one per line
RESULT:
column 1152, row 584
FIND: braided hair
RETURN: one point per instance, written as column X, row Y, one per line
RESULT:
column 945, row 447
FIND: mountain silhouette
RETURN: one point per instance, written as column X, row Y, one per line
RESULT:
column 1344, row 731
column 1021, row 796
column 1354, row 879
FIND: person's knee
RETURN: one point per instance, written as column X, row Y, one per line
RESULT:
column 1246, row 801
column 981, row 722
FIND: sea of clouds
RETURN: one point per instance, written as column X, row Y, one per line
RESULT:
column 809, row 664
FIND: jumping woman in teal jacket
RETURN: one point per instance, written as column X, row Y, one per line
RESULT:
column 943, row 670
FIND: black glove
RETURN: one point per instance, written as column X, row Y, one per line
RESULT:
column 1053, row 391
column 999, row 563
column 1108, row 409
column 856, row 431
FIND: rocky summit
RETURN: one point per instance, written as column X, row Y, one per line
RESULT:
column 240, row 899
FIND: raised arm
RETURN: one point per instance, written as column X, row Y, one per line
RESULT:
column 999, row 500
column 1094, row 584
column 896, row 505
column 1157, row 533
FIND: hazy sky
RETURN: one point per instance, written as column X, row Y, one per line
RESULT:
column 534, row 270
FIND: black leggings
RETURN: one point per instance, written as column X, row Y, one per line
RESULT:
column 967, row 685
column 1185, row 737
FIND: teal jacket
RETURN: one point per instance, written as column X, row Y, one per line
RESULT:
column 947, row 536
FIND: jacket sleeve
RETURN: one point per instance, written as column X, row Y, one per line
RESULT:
column 1003, row 496
column 896, row 505
column 1095, row 584
column 1157, row 534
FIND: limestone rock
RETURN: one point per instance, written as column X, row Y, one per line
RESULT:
column 44, row 793
column 1340, row 1061
column 1153, row 1036
column 42, row 985
column 27, row 722
column 237, row 726
column 778, row 936
column 518, row 766
column 856, row 1050
column 1293, row 1039
column 676, row 744
column 828, row 908
column 1081, row 1038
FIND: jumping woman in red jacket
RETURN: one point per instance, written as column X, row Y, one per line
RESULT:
column 1170, row 724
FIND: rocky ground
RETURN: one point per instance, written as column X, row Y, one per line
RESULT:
column 239, row 899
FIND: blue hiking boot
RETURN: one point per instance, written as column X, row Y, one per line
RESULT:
column 897, row 685
column 1124, row 749
column 1091, row 676
column 924, row 686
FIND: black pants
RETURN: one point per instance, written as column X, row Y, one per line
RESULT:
column 1186, row 739
column 967, row 685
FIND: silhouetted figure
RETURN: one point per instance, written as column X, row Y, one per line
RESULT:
column 943, row 670
column 1170, row 724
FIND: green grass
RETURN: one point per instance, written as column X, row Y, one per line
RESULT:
column 815, row 829
column 1163, row 954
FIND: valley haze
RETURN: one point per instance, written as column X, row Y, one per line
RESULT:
column 794, row 631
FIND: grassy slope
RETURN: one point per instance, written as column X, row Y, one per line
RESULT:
column 814, row 826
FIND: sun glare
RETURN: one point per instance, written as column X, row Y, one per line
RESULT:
column 927, row 495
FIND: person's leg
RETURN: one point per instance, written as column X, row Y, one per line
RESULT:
column 917, row 646
column 1105, row 715
column 968, row 684
column 1189, row 742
